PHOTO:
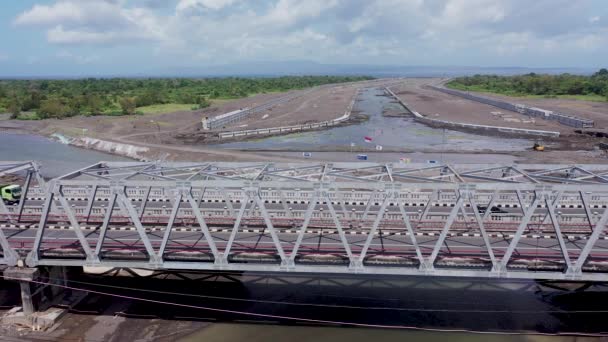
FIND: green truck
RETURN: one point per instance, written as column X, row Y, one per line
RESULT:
column 11, row 194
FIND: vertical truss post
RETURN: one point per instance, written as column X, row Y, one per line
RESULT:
column 307, row 216
column 502, row 265
column 187, row 191
column 444, row 232
column 26, row 188
column 577, row 269
column 269, row 225
column 372, row 232
column 169, row 227
column 90, row 203
column 127, row 207
column 104, row 226
column 33, row 256
column 235, row 228
column 75, row 225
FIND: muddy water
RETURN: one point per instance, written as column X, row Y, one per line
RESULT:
column 389, row 132
column 55, row 158
column 224, row 305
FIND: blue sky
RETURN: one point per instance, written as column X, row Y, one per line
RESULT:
column 102, row 37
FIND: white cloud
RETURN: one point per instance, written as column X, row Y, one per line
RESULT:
column 194, row 5
column 103, row 22
column 351, row 31
column 69, row 12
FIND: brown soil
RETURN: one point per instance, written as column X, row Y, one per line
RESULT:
column 596, row 111
column 443, row 106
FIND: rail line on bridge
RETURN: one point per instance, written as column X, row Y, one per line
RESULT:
column 503, row 221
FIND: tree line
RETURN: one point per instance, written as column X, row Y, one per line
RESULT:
column 536, row 84
column 122, row 96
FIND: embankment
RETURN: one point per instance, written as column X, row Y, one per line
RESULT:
column 467, row 127
column 121, row 149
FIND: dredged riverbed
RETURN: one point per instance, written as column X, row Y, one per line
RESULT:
column 389, row 132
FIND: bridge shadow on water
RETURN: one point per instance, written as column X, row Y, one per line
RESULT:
column 421, row 302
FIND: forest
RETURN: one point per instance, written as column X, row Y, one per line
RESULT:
column 593, row 87
column 41, row 99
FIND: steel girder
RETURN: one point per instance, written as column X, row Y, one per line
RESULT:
column 237, row 217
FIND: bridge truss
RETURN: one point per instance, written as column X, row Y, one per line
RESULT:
column 515, row 221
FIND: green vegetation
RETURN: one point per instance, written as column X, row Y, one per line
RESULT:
column 120, row 96
column 593, row 88
column 166, row 108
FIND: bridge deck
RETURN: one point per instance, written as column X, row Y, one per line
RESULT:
column 522, row 221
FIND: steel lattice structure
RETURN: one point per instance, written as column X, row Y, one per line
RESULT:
column 514, row 221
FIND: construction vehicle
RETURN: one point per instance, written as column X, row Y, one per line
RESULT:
column 11, row 194
column 538, row 146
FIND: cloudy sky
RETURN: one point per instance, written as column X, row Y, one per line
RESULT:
column 65, row 37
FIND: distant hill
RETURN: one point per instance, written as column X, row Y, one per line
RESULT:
column 312, row 68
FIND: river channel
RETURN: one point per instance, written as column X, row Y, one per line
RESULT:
column 54, row 157
column 402, row 133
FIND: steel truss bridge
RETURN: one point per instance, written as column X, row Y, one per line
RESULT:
column 502, row 221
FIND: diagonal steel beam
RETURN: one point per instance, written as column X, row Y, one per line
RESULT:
column 144, row 202
column 577, row 268
column 410, row 230
column 502, row 265
column 75, row 225
column 373, row 230
column 235, row 227
column 104, row 226
column 341, row 233
column 33, row 255
column 482, row 229
column 167, row 233
column 558, row 231
column 368, row 206
column 26, row 188
column 90, row 202
column 444, row 232
column 270, row 226
column 201, row 221
column 307, row 216
column 127, row 207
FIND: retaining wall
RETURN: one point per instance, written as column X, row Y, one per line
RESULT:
column 564, row 119
column 479, row 128
column 295, row 128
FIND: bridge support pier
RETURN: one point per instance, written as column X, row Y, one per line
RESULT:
column 40, row 295
column 24, row 276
